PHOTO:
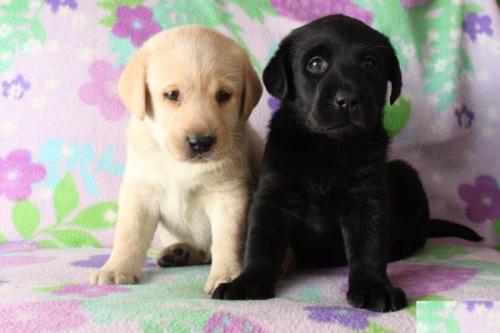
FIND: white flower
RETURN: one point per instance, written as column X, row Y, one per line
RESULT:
column 110, row 215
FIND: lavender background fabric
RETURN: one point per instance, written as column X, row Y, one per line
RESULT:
column 62, row 126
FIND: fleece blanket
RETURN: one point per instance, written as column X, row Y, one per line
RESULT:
column 62, row 153
column 450, row 286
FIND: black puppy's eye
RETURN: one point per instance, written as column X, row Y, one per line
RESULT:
column 369, row 63
column 317, row 65
column 222, row 96
column 173, row 95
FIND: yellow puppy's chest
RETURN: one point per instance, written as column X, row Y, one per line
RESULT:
column 184, row 215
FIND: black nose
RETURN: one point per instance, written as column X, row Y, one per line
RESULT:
column 346, row 101
column 200, row 143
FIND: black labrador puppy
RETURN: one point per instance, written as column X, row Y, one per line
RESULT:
column 326, row 188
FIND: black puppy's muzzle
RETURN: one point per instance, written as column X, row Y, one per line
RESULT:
column 342, row 112
column 345, row 101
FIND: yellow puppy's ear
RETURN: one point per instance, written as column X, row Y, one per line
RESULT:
column 252, row 90
column 132, row 85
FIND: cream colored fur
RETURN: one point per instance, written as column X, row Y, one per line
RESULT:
column 201, row 202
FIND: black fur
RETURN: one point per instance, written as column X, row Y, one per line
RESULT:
column 326, row 188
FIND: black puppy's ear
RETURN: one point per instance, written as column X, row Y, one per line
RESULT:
column 277, row 76
column 394, row 74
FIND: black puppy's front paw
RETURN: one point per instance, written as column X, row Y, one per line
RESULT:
column 244, row 287
column 376, row 297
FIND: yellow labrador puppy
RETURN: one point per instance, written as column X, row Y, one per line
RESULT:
column 191, row 155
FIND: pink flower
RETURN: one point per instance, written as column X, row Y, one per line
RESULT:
column 308, row 10
column 53, row 315
column 89, row 290
column 101, row 90
column 135, row 23
column 17, row 173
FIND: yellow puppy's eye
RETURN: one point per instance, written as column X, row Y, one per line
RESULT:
column 222, row 96
column 173, row 95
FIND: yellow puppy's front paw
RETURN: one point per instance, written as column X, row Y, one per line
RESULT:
column 108, row 276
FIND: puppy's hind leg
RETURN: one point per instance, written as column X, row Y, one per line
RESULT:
column 180, row 254
column 177, row 252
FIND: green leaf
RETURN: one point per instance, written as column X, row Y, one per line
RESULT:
column 65, row 197
column 38, row 30
column 100, row 216
column 375, row 328
column 106, row 5
column 74, row 238
column 151, row 327
column 452, row 325
column 50, row 288
column 45, row 244
column 396, row 116
column 412, row 303
column 26, row 217
column 496, row 225
column 133, row 2
column 3, row 239
column 108, row 21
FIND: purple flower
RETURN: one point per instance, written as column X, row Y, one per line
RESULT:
column 412, row 4
column 472, row 304
column 17, row 173
column 465, row 117
column 226, row 322
column 483, row 199
column 89, row 291
column 135, row 23
column 97, row 261
column 308, row 10
column 101, row 90
column 15, row 88
column 18, row 246
column 274, row 104
column 348, row 317
column 55, row 4
column 475, row 24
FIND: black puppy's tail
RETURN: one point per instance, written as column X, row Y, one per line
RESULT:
column 442, row 228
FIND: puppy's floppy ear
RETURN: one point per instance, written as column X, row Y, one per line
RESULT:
column 252, row 89
column 132, row 84
column 277, row 76
column 393, row 73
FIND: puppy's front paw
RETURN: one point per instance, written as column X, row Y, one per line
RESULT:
column 215, row 279
column 244, row 288
column 108, row 276
column 376, row 297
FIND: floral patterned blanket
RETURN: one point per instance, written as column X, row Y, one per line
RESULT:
column 62, row 152
column 449, row 285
